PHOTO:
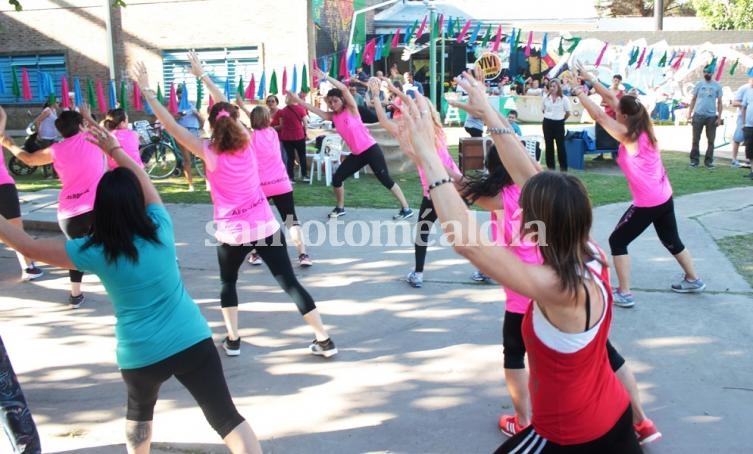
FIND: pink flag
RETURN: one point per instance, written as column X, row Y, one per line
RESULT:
column 101, row 103
column 527, row 51
column 464, row 31
column 676, row 64
column 284, row 79
column 421, row 28
column 601, row 54
column 369, row 51
column 137, row 104
column 314, row 79
column 498, row 39
column 395, row 39
column 440, row 24
column 721, row 67
column 25, row 85
column 172, row 103
column 640, row 59
column 251, row 89
column 344, row 65
column 66, row 100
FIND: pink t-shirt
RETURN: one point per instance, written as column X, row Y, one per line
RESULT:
column 129, row 140
column 446, row 159
column 292, row 126
column 80, row 165
column 241, row 212
column 5, row 177
column 273, row 176
column 647, row 180
column 353, row 131
column 506, row 233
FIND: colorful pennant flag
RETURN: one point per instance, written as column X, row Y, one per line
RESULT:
column 65, row 100
column 261, row 92
column 113, row 95
column 662, row 60
column 734, row 67
column 601, row 55
column 200, row 92
column 304, row 80
column 463, row 31
column 379, row 49
column 640, row 59
column 90, row 98
column 497, row 40
column 240, row 90
column 369, row 50
column 25, row 85
column 160, row 96
column 420, row 31
column 527, row 51
column 294, row 84
column 474, row 34
column 544, row 44
column 16, row 88
column 228, row 90
column 440, row 24
column 396, row 38
column 409, row 32
column 251, row 89
column 123, row 95
column 101, row 102
column 183, row 104
column 344, row 65
column 172, row 103
column 572, row 47
column 77, row 98
column 386, row 48
column 487, row 37
column 138, row 106
column 284, row 79
column 650, row 56
column 721, row 68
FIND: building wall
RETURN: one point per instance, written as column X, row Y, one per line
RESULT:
column 145, row 27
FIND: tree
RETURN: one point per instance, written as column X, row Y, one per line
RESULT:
column 727, row 14
column 643, row 8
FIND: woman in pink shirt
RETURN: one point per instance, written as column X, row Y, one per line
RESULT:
column 640, row 161
column 80, row 166
column 116, row 122
column 10, row 208
column 273, row 177
column 364, row 149
column 243, row 219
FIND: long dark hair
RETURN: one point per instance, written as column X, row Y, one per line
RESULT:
column 559, row 204
column 227, row 133
column 120, row 217
column 638, row 120
column 487, row 184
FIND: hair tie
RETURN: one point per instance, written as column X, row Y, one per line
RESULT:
column 222, row 114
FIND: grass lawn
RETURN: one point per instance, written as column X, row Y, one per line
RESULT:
column 604, row 181
column 739, row 249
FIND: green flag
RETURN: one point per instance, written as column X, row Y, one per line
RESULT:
column 387, row 47
column 572, row 47
column 241, row 90
column 123, row 95
column 304, row 80
column 199, row 93
column 560, row 50
column 488, row 34
column 663, row 60
column 359, row 59
column 734, row 67
column 273, row 83
column 517, row 38
column 16, row 85
column 333, row 67
column 90, row 98
column 633, row 56
column 160, row 98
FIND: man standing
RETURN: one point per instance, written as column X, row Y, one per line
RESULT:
column 746, row 111
column 190, row 119
column 705, row 110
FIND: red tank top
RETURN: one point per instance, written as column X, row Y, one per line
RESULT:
column 575, row 397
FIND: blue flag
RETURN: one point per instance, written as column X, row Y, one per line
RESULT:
column 183, row 104
column 379, row 48
column 544, row 43
column 113, row 95
column 474, row 34
column 294, row 85
column 2, row 84
column 78, row 99
column 262, row 85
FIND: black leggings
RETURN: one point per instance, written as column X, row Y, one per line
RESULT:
column 16, row 418
column 427, row 216
column 286, row 207
column 636, row 220
column 199, row 369
column 76, row 227
column 291, row 148
column 620, row 439
column 10, row 207
column 374, row 157
column 273, row 251
column 554, row 131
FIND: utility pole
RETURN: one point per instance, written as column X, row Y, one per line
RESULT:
column 658, row 15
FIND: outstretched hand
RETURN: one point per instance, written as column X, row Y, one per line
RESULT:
column 477, row 105
column 196, row 68
column 102, row 138
column 294, row 97
column 581, row 70
column 139, row 73
column 416, row 127
column 319, row 74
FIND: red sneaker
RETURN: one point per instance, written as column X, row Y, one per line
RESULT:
column 646, row 432
column 509, row 425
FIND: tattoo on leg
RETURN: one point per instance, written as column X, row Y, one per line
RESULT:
column 137, row 432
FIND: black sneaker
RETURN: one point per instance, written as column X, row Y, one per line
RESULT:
column 76, row 301
column 693, row 164
column 31, row 273
column 232, row 347
column 324, row 348
column 337, row 212
column 710, row 165
column 404, row 213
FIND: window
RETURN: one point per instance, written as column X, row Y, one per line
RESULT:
column 37, row 66
column 222, row 64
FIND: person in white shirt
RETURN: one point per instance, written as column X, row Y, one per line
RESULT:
column 556, row 108
column 738, row 137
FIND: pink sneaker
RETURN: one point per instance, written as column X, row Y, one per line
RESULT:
column 646, row 432
column 509, row 425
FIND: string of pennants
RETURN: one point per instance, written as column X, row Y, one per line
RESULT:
column 128, row 95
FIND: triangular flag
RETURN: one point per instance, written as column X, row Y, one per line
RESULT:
column 304, row 80
column 440, row 24
column 640, row 59
column 344, row 65
column 498, row 39
column 262, row 91
column 662, row 60
column 379, row 49
column 676, row 64
column 474, row 34
column 294, row 84
column 633, row 56
column 172, row 103
column 409, row 32
column 25, row 85
column 250, row 93
column 240, row 90
column 16, row 87
column 183, row 104
column 560, row 50
column 517, row 38
column 544, row 44
column 734, row 67
column 487, row 37
column 601, row 54
column 284, row 79
column 160, row 96
column 721, row 68
column 396, row 38
column 351, row 63
column 450, row 27
column 572, row 47
column 228, row 90
column 101, row 102
column 692, row 57
column 386, row 48
column 2, row 84
column 527, row 51
column 273, row 83
column 90, row 98
column 138, row 106
column 650, row 56
column 65, row 99
column 113, row 95
column 463, row 31
column 359, row 61
column 200, row 92
column 512, row 42
column 421, row 28
column 368, row 51
column 333, row 67
column 123, row 95
column 77, row 98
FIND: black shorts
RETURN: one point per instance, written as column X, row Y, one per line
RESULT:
column 10, row 207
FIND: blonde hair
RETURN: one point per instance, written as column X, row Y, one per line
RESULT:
column 260, row 118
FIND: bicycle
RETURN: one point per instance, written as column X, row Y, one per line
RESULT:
column 161, row 155
column 18, row 167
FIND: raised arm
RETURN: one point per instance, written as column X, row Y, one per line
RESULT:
column 386, row 123
column 607, row 97
column 181, row 134
column 612, row 126
column 86, row 111
column 310, row 107
column 198, row 71
column 38, row 158
column 350, row 101
column 110, row 146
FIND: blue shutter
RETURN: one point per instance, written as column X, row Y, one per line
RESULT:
column 35, row 65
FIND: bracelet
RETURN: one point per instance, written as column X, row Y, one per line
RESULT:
column 500, row 131
column 440, row 183
column 112, row 150
column 203, row 75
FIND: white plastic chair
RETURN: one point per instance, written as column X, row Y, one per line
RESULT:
column 531, row 144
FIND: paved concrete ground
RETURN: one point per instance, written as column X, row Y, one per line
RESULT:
column 419, row 370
